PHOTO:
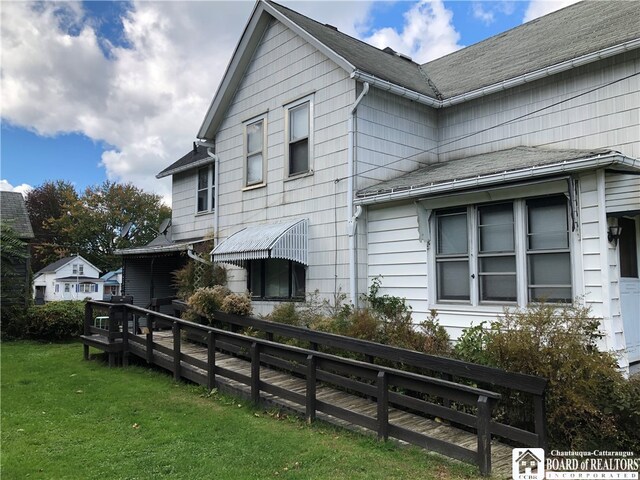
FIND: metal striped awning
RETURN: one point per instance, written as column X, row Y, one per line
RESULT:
column 288, row 240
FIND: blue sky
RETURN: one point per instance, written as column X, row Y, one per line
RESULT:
column 117, row 90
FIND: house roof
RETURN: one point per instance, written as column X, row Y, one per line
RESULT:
column 492, row 168
column 196, row 157
column 73, row 278
column 55, row 266
column 111, row 277
column 14, row 211
column 584, row 32
column 382, row 64
column 566, row 34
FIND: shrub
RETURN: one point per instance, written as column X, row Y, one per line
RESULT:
column 237, row 304
column 55, row 321
column 204, row 302
column 434, row 338
column 285, row 312
column 195, row 275
column 589, row 403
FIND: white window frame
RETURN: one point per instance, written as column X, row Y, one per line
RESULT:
column 83, row 288
column 263, row 181
column 211, row 188
column 74, row 269
column 471, row 202
column 67, row 288
column 310, row 145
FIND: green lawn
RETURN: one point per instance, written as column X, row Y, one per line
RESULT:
column 63, row 417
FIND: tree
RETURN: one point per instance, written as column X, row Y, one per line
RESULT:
column 66, row 223
column 45, row 205
column 94, row 221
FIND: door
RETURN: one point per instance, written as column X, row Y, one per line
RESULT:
column 630, row 285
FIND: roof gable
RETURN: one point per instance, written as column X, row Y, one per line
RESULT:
column 14, row 211
column 58, row 264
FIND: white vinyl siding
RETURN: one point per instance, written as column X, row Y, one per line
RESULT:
column 285, row 71
column 603, row 118
column 622, row 192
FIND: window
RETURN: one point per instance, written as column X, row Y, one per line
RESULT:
column 206, row 189
column 66, row 288
column 88, row 288
column 276, row 279
column 81, row 269
column 57, row 288
column 298, row 137
column 509, row 252
column 254, row 154
column 75, row 268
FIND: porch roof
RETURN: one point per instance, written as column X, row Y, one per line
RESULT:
column 286, row 240
column 499, row 167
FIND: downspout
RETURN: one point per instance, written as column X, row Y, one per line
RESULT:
column 352, row 217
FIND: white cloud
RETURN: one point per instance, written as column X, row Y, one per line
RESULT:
column 5, row 186
column 538, row 8
column 148, row 99
column 428, row 33
column 485, row 16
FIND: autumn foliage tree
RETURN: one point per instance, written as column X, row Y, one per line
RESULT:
column 90, row 223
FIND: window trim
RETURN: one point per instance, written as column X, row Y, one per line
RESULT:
column 310, row 145
column 521, row 252
column 245, row 152
column 211, row 188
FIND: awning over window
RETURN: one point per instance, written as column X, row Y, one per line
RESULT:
column 276, row 240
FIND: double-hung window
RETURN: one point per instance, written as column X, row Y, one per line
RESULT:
column 511, row 252
column 206, row 189
column 254, row 152
column 298, row 137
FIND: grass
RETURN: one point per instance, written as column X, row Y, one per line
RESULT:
column 66, row 418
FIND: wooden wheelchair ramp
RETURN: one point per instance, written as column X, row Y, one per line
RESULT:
column 449, row 417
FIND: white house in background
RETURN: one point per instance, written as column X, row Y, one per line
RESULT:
column 495, row 176
column 112, row 284
column 70, row 278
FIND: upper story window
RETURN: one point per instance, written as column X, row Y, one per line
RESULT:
column 254, row 152
column 510, row 252
column 206, row 189
column 78, row 269
column 298, row 136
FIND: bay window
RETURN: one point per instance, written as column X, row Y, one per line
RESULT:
column 511, row 252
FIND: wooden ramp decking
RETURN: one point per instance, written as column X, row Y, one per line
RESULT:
column 500, row 453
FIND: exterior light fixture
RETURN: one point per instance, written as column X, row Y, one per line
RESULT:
column 613, row 235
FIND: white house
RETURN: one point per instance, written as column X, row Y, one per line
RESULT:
column 496, row 176
column 70, row 278
column 112, row 284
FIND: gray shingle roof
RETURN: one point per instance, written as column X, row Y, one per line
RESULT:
column 363, row 56
column 479, row 165
column 194, row 157
column 571, row 32
column 52, row 267
column 14, row 211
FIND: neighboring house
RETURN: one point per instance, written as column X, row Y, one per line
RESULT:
column 70, row 278
column 13, row 212
column 493, row 177
column 111, row 284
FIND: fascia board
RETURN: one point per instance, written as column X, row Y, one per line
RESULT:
column 239, row 59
